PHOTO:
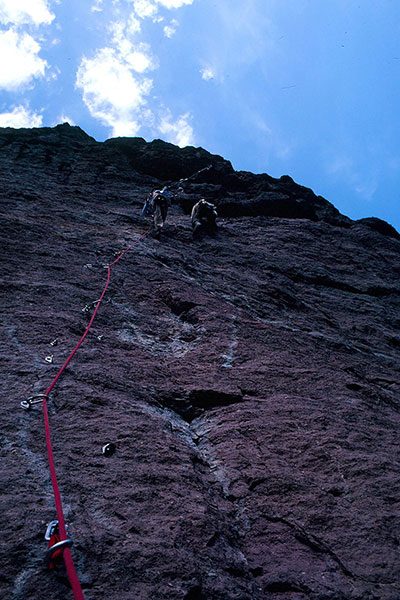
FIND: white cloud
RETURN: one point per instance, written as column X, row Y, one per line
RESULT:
column 149, row 8
column 125, row 127
column 144, row 8
column 139, row 60
column 132, row 25
column 122, row 29
column 22, row 62
column 138, row 55
column 64, row 119
column 114, row 85
column 179, row 132
column 20, row 12
column 20, row 116
column 112, row 92
column 207, row 73
column 170, row 30
column 174, row 3
column 97, row 6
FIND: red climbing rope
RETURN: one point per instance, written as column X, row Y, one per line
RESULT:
column 69, row 564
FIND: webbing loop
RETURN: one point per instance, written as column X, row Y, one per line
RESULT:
column 56, row 550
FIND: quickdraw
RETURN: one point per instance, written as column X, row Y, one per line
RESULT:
column 56, row 545
column 29, row 402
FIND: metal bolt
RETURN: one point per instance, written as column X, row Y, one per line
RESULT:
column 108, row 449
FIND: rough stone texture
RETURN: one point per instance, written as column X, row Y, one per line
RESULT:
column 250, row 381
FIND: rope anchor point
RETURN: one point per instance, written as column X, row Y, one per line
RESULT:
column 37, row 399
column 90, row 306
column 56, row 545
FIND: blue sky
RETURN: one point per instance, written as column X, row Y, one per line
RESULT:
column 308, row 88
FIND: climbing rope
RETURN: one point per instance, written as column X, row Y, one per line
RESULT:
column 56, row 534
column 185, row 179
column 63, row 542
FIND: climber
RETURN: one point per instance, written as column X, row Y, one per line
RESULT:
column 156, row 205
column 204, row 217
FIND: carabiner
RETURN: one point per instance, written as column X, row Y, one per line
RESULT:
column 26, row 404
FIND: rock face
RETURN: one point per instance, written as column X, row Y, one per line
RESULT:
column 249, row 381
